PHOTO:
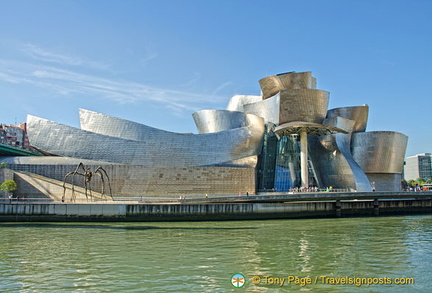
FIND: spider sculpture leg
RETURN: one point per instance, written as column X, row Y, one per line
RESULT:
column 101, row 172
column 87, row 178
column 73, row 173
column 64, row 186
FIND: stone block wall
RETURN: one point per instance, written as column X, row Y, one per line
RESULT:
column 129, row 180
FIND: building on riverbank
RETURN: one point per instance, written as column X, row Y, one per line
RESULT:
column 15, row 136
column 418, row 166
column 284, row 138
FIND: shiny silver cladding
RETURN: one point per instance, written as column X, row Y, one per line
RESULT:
column 237, row 102
column 233, row 137
column 267, row 109
column 341, row 123
column 211, row 121
column 112, row 139
column 331, row 164
column 359, row 114
column 49, row 160
column 361, row 180
column 121, row 128
column 273, row 84
column 336, row 158
column 306, row 105
column 379, row 151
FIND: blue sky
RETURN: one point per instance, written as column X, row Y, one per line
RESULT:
column 157, row 62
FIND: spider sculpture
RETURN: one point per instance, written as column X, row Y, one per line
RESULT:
column 87, row 175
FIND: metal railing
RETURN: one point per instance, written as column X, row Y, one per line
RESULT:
column 199, row 198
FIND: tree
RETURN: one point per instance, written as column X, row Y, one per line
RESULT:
column 411, row 183
column 3, row 165
column 420, row 181
column 8, row 186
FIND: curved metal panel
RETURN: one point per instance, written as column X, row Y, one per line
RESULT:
column 121, row 128
column 267, row 109
column 336, row 158
column 340, row 122
column 360, row 178
column 210, row 121
column 379, row 151
column 330, row 164
column 149, row 147
column 306, row 105
column 50, row 160
column 273, row 84
column 270, row 86
column 386, row 181
column 237, row 102
column 359, row 114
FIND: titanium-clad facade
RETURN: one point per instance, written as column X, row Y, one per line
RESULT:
column 358, row 114
column 237, row 102
column 268, row 109
column 331, row 137
column 307, row 105
column 152, row 148
column 211, row 121
column 333, row 154
column 282, row 139
column 273, row 84
column 379, row 151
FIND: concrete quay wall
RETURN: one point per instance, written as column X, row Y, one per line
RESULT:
column 209, row 211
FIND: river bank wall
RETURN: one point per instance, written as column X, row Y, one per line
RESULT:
column 243, row 209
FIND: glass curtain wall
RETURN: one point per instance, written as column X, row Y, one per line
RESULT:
column 279, row 164
column 287, row 173
column 267, row 162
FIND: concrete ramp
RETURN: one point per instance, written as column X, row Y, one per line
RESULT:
column 33, row 185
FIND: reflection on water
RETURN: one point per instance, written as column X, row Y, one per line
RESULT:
column 202, row 256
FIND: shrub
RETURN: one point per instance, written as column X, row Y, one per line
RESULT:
column 8, row 186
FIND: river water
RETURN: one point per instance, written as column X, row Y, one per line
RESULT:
column 333, row 255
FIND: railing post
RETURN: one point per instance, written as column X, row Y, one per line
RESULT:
column 376, row 207
column 338, row 208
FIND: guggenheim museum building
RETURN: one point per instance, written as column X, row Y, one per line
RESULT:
column 284, row 138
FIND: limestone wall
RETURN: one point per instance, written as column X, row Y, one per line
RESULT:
column 138, row 180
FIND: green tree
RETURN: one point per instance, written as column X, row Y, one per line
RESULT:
column 411, row 183
column 9, row 186
column 420, row 181
column 3, row 165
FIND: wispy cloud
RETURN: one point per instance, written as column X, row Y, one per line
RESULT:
column 68, row 82
column 219, row 88
column 60, row 58
column 193, row 80
column 148, row 58
column 68, row 75
column 38, row 53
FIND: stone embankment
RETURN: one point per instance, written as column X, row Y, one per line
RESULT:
column 266, row 206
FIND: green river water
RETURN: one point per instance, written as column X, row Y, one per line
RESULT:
column 332, row 254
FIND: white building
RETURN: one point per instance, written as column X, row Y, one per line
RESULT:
column 418, row 166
